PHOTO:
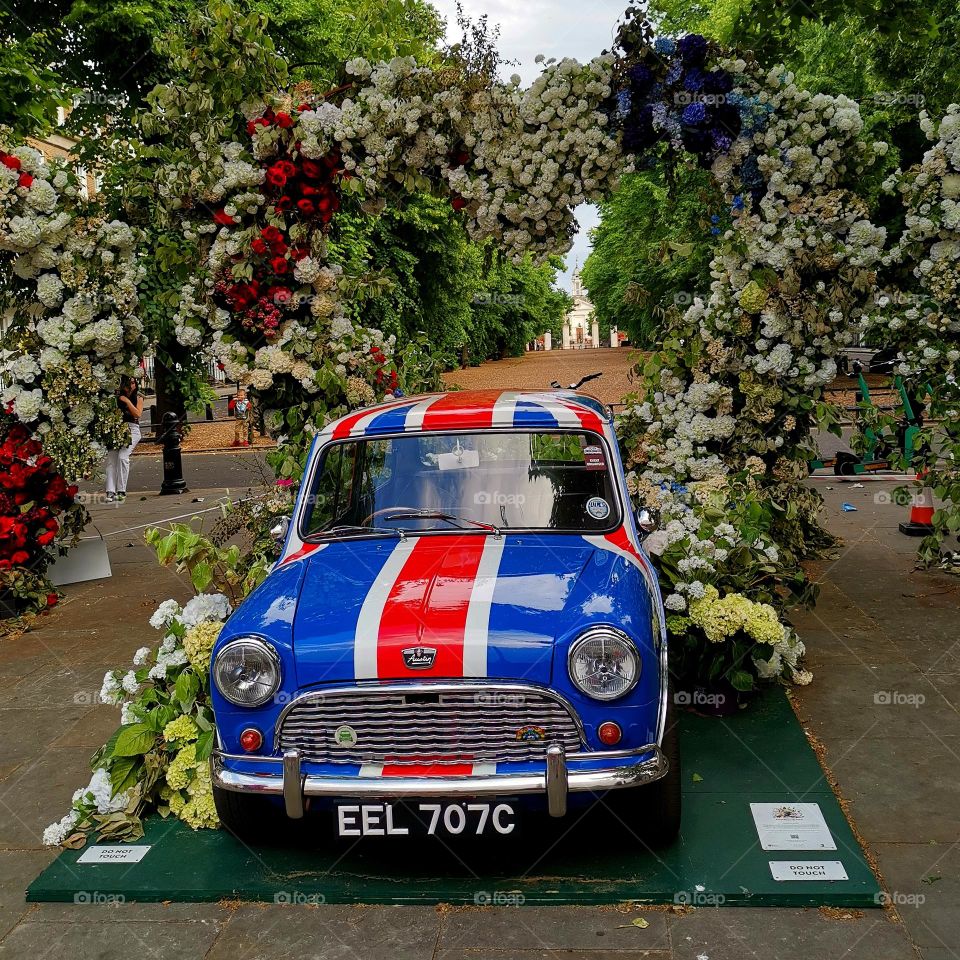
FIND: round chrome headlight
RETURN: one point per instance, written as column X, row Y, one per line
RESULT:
column 604, row 663
column 247, row 672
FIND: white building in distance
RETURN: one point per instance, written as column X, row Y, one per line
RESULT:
column 580, row 328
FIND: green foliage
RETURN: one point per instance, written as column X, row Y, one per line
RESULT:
column 651, row 251
column 417, row 273
column 30, row 90
column 218, row 563
column 115, row 53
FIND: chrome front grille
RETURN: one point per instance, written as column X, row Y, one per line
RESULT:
column 436, row 724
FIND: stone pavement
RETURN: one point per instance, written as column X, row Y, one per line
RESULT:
column 882, row 638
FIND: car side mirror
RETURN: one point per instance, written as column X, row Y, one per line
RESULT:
column 647, row 521
column 279, row 532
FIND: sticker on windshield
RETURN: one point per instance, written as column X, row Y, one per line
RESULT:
column 598, row 508
column 593, row 458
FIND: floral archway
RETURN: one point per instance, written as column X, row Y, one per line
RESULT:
column 721, row 435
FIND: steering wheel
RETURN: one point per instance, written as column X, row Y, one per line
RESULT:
column 373, row 516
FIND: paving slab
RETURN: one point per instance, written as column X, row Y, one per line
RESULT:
column 923, row 883
column 493, row 954
column 794, row 935
column 553, row 928
column 881, row 701
column 901, row 789
column 93, row 941
column 39, row 792
column 16, row 868
column 329, row 932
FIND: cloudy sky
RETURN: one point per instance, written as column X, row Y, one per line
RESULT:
column 555, row 28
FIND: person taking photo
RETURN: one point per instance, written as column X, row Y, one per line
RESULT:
column 118, row 461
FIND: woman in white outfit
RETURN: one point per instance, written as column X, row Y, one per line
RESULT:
column 118, row 461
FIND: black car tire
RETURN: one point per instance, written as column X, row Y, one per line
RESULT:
column 249, row 818
column 652, row 812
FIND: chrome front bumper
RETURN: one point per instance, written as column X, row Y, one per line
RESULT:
column 556, row 781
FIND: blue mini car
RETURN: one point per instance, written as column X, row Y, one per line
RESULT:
column 463, row 628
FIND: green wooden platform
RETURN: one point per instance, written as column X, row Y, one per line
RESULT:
column 761, row 755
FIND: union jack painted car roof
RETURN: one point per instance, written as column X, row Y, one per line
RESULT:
column 473, row 410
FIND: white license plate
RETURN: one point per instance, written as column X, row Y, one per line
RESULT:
column 470, row 818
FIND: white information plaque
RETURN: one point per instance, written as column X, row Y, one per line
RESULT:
column 791, row 826
column 804, row 870
column 120, row 853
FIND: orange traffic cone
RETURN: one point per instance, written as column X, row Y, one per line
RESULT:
column 921, row 514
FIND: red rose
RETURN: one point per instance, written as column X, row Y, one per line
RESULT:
column 284, row 203
column 259, row 246
column 223, row 218
column 458, row 203
column 20, row 558
column 306, row 207
column 242, row 295
column 25, row 180
column 276, row 177
column 279, row 265
column 12, row 162
column 279, row 294
column 52, row 599
column 303, row 106
column 44, row 538
column 298, row 253
column 272, row 235
column 284, row 120
column 251, row 127
column 311, row 169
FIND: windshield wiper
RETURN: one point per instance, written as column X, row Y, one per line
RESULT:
column 448, row 517
column 358, row 528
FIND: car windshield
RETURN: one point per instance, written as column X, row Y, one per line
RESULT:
column 477, row 482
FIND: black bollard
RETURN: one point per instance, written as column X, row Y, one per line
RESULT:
column 173, row 482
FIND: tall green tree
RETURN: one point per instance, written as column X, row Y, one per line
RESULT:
column 30, row 89
column 110, row 50
column 651, row 250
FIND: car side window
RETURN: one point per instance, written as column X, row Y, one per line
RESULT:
column 333, row 491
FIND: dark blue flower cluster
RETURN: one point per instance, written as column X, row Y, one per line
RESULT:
column 672, row 94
